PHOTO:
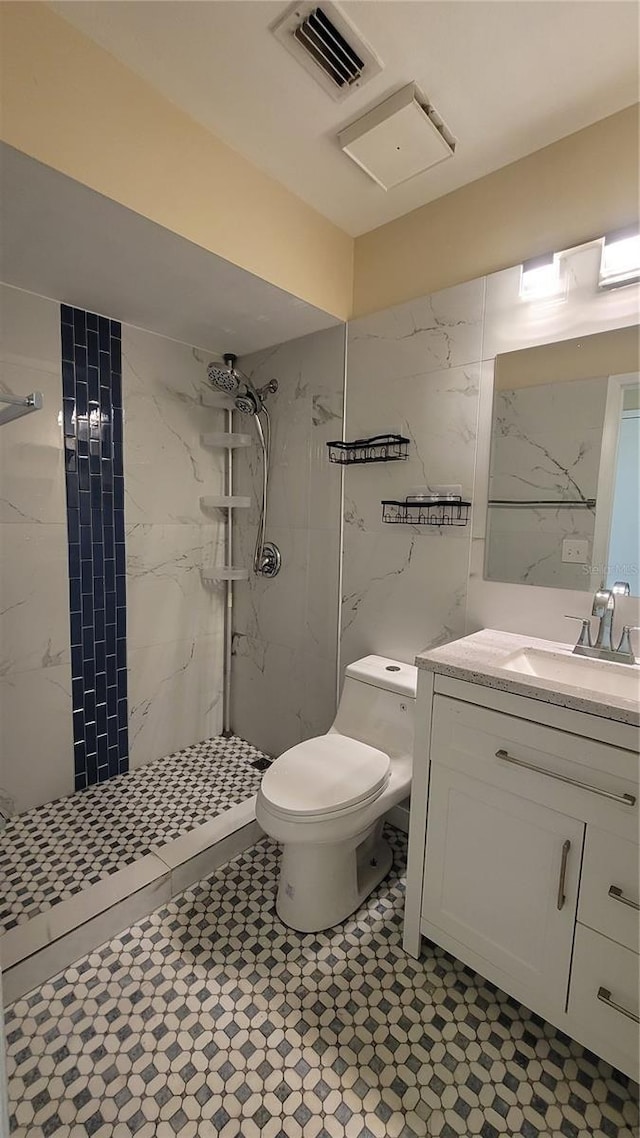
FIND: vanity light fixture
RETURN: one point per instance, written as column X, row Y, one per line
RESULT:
column 540, row 277
column 620, row 259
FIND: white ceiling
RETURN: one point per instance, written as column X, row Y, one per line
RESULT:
column 65, row 241
column 507, row 77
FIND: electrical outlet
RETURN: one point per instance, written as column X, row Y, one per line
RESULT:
column 575, row 551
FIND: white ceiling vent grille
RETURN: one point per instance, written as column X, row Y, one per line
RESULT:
column 328, row 46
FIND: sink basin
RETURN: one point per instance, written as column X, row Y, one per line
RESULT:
column 600, row 676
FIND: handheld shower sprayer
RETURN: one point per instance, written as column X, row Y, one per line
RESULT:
column 247, row 403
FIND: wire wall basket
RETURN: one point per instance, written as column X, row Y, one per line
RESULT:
column 379, row 448
column 415, row 510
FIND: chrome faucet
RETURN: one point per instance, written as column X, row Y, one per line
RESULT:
column 604, row 607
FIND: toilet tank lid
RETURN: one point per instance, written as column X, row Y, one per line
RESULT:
column 380, row 672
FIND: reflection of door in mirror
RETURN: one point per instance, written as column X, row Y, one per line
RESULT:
column 616, row 542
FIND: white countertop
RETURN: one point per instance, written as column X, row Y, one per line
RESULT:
column 478, row 658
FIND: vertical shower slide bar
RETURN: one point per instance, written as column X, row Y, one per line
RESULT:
column 228, row 606
column 249, row 401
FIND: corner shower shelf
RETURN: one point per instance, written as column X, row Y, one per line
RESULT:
column 222, row 439
column 225, row 573
column 378, row 448
column 225, row 501
column 415, row 510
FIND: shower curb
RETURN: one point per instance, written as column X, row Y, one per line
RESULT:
column 33, row 952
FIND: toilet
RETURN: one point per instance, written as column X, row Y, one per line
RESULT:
column 325, row 799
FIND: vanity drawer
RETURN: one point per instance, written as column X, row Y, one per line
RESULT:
column 565, row 771
column 610, row 887
column 603, row 998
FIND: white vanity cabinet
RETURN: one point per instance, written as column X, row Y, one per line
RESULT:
column 523, row 857
column 502, row 878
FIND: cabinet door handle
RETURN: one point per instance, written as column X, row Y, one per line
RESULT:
column 618, row 895
column 605, row 996
column 627, row 799
column 566, row 846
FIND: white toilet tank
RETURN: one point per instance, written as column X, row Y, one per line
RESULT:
column 377, row 705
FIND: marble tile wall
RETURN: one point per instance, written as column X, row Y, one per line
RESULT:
column 546, row 444
column 285, row 629
column 174, row 621
column 425, row 368
column 36, row 757
column 510, row 324
column 414, row 369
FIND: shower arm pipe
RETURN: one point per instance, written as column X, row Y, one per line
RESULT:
column 264, row 435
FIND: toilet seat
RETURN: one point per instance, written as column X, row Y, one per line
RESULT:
column 331, row 774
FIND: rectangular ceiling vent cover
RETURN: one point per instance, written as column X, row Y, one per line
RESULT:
column 401, row 137
column 328, row 46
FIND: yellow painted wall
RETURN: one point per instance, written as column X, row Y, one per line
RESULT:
column 71, row 105
column 602, row 354
column 576, row 189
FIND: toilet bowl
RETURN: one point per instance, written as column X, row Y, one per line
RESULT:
column 325, row 799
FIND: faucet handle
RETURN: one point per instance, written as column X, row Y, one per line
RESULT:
column 624, row 647
column 584, row 639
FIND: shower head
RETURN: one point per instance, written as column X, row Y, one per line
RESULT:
column 248, row 401
column 251, row 401
column 226, row 378
column 248, row 404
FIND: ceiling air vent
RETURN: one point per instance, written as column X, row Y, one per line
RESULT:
column 328, row 46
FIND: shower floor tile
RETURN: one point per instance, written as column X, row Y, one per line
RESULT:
column 55, row 851
column 210, row 1018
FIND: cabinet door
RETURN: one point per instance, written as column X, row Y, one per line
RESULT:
column 501, row 877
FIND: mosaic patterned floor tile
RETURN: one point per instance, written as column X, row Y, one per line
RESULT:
column 210, row 1018
column 49, row 854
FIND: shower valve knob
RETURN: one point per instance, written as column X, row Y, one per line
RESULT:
column 271, row 560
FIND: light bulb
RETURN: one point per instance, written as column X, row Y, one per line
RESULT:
column 620, row 260
column 540, row 278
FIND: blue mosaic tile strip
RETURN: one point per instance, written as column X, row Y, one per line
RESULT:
column 92, row 418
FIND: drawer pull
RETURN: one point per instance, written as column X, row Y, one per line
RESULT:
column 618, row 895
column 566, row 846
column 627, row 799
column 605, row 996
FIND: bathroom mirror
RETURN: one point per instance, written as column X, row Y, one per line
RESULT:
column 564, row 485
